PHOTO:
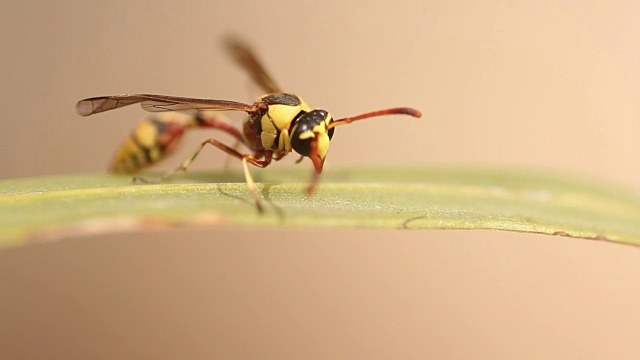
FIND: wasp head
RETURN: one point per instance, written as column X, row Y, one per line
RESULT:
column 311, row 135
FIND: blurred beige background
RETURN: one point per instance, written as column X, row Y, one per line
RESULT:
column 540, row 84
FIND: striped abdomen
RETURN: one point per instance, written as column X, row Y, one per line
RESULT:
column 151, row 141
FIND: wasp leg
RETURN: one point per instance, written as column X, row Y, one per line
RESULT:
column 268, row 156
column 214, row 121
column 279, row 155
column 175, row 127
column 252, row 185
column 246, row 158
column 227, row 163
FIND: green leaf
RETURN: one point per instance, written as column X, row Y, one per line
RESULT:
column 390, row 198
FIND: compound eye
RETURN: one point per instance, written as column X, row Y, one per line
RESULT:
column 331, row 133
column 301, row 146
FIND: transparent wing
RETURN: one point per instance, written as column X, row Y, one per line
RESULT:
column 157, row 103
column 244, row 56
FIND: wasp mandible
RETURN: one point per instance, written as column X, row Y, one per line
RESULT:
column 277, row 123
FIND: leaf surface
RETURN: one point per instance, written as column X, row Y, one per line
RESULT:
column 54, row 207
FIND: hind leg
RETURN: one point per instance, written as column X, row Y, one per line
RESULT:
column 246, row 159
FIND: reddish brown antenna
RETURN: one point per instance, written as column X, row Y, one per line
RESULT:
column 393, row 111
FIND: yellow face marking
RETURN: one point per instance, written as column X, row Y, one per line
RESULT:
column 323, row 137
column 323, row 145
column 320, row 132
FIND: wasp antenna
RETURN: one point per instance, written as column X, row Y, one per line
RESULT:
column 393, row 111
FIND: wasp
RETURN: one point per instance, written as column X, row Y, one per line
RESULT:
column 277, row 123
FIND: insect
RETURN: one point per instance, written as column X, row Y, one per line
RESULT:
column 277, row 124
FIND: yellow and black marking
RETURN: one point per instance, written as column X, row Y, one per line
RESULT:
column 277, row 124
column 151, row 141
column 314, row 125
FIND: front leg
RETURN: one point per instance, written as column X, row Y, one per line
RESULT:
column 277, row 156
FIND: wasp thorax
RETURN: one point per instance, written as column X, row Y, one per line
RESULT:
column 312, row 125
